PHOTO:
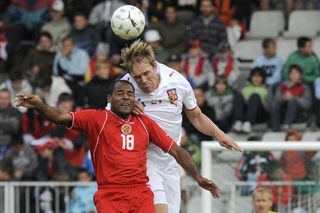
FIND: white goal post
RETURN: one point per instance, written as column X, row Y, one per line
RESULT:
column 209, row 146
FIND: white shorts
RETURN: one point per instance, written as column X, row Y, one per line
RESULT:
column 166, row 188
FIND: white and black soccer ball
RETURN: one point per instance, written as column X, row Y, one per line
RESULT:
column 127, row 22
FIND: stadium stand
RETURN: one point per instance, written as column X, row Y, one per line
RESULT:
column 303, row 23
column 266, row 24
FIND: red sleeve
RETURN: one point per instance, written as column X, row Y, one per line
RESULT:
column 158, row 136
column 82, row 119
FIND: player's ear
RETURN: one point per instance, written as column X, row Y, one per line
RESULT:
column 109, row 99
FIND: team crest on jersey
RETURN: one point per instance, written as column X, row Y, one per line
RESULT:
column 172, row 96
column 126, row 129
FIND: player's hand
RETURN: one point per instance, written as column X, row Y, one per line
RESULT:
column 210, row 186
column 28, row 101
column 138, row 108
column 229, row 143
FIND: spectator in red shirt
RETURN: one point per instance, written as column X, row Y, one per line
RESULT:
column 292, row 98
column 273, row 171
column 120, row 160
column 294, row 162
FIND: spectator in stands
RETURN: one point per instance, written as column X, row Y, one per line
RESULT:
column 39, row 59
column 100, row 15
column 58, row 27
column 6, row 170
column 87, row 164
column 251, row 107
column 153, row 38
column 16, row 84
column 35, row 128
column 94, row 94
column 282, row 195
column 306, row 59
column 85, row 36
column 262, row 200
column 25, row 18
column 175, row 62
column 269, row 61
column 292, row 99
column 173, row 32
column 81, row 199
column 294, row 163
column 52, row 162
column 249, row 167
column 72, row 142
column 23, row 159
column 208, row 28
column 197, row 67
column 307, row 4
column 71, row 64
column 317, row 100
column 221, row 99
column 195, row 135
column 3, row 48
column 10, row 122
column 225, row 65
column 50, row 88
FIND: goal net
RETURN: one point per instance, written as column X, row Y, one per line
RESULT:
column 289, row 168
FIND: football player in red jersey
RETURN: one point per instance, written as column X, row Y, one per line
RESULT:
column 118, row 142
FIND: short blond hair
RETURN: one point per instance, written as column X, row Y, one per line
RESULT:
column 262, row 190
column 137, row 52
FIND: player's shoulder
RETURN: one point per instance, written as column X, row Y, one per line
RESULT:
column 171, row 75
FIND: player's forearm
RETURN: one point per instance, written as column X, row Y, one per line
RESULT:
column 54, row 114
column 202, row 123
column 185, row 160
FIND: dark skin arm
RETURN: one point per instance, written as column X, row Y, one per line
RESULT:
column 185, row 160
column 51, row 113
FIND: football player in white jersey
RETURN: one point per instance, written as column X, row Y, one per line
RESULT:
column 163, row 93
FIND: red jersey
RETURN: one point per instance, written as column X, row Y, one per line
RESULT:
column 118, row 153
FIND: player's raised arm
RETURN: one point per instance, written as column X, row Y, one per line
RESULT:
column 185, row 160
column 51, row 113
column 207, row 127
column 166, row 143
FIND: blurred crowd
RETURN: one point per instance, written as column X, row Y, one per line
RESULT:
column 66, row 52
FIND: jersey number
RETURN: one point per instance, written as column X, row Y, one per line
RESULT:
column 127, row 142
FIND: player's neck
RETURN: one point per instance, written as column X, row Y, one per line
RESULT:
column 122, row 115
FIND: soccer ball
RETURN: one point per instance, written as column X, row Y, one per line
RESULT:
column 127, row 22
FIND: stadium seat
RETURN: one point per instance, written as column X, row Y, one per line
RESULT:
column 311, row 136
column 246, row 51
column 285, row 47
column 303, row 23
column 316, row 46
column 273, row 136
column 266, row 24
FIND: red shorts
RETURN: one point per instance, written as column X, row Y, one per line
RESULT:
column 124, row 199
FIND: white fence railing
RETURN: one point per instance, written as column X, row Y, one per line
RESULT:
column 27, row 197
column 208, row 161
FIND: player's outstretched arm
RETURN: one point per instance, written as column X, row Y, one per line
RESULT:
column 51, row 113
column 185, row 160
column 207, row 127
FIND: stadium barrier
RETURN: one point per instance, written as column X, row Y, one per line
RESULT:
column 37, row 197
column 220, row 165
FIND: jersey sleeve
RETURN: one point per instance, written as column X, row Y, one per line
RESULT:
column 82, row 120
column 189, row 99
column 158, row 136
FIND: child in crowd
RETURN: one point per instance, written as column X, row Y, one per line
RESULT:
column 262, row 200
column 251, row 106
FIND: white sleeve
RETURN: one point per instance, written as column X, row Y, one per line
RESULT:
column 189, row 99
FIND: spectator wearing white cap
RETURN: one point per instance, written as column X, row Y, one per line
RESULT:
column 153, row 38
column 59, row 26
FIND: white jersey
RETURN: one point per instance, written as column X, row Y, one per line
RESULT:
column 165, row 105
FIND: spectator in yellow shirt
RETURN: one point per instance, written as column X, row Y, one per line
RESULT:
column 262, row 200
